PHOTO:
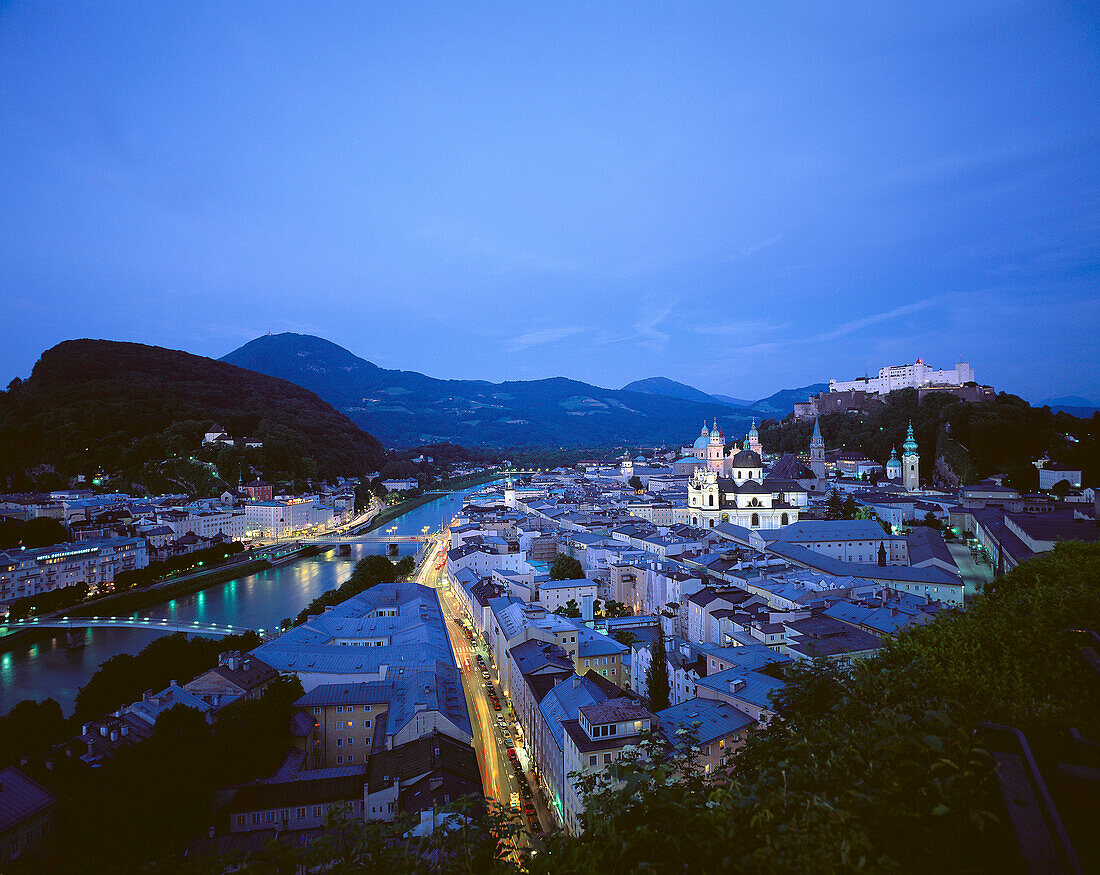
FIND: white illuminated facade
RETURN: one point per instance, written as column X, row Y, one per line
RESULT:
column 26, row 573
column 744, row 498
column 281, row 519
column 914, row 376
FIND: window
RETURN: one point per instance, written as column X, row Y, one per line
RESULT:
column 271, row 816
column 606, row 758
column 316, row 810
column 592, row 760
column 588, row 663
column 366, row 724
column 351, row 741
column 339, row 742
column 366, row 709
column 255, row 818
column 339, row 761
column 755, row 520
column 242, row 820
column 339, row 709
column 284, row 815
column 316, row 710
column 300, row 813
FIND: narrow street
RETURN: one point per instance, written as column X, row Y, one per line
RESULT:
column 499, row 778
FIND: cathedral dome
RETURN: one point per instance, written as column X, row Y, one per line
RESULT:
column 701, row 443
column 746, row 459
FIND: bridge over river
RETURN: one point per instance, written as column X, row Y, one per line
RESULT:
column 335, row 540
column 157, row 624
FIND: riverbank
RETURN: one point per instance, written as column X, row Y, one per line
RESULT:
column 390, row 513
column 401, row 508
column 134, row 600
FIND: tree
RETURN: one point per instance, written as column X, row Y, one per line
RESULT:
column 565, row 567
column 658, row 687
column 597, row 608
column 930, row 520
column 40, row 531
column 1023, row 478
column 569, row 609
column 31, row 729
column 1061, row 488
column 624, row 636
column 615, row 609
column 834, row 505
column 635, row 483
column 850, row 508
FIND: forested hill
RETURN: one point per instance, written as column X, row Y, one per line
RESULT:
column 406, row 408
column 142, row 411
column 975, row 440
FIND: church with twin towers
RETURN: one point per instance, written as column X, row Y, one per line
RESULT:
column 732, row 487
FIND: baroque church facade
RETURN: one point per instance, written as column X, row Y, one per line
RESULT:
column 732, row 487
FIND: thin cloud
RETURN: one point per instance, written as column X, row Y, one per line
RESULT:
column 646, row 327
column 541, row 336
column 752, row 326
column 745, row 251
column 858, row 324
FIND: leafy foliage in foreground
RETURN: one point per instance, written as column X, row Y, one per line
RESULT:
column 154, row 796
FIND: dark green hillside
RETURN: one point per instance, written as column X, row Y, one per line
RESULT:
column 142, row 410
column 406, row 408
column 1003, row 435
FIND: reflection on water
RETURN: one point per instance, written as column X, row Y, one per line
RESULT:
column 50, row 669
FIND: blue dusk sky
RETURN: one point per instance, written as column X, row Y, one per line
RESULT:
column 740, row 196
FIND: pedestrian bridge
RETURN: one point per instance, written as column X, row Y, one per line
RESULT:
column 217, row 630
column 336, row 540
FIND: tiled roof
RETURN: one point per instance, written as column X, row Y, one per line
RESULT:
column 20, row 798
column 716, row 719
column 614, row 711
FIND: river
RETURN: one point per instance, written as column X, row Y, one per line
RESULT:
column 47, row 669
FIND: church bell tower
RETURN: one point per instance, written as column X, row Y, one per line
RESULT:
column 910, row 462
column 817, row 452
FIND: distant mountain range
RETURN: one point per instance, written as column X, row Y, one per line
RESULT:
column 406, row 408
column 774, row 406
column 1074, row 405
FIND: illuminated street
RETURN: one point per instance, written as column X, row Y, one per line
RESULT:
column 498, row 776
